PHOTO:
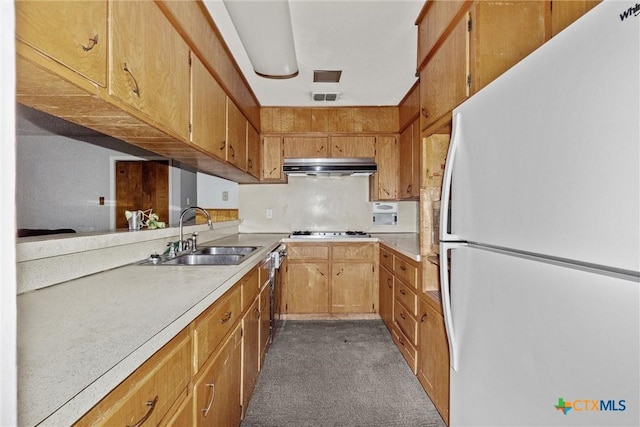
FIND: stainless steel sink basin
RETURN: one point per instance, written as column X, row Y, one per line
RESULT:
column 206, row 255
column 202, row 259
column 215, row 250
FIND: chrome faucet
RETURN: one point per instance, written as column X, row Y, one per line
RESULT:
column 181, row 245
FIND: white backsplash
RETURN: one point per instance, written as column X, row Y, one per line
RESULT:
column 308, row 203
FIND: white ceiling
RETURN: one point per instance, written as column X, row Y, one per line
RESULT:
column 373, row 42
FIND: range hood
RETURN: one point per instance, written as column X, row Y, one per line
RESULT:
column 330, row 167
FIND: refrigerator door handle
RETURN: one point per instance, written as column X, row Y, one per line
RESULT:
column 445, row 247
column 456, row 137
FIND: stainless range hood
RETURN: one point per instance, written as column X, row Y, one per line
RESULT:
column 330, row 167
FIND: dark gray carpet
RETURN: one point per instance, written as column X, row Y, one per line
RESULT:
column 337, row 373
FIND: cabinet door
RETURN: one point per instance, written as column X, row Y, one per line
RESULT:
column 265, row 323
column 435, row 148
column 304, row 147
column 236, row 136
column 437, row 16
column 253, row 151
column 208, row 111
column 217, row 391
column 352, row 287
column 272, row 158
column 433, row 358
column 307, row 288
column 564, row 12
column 443, row 80
column 383, row 183
column 352, row 146
column 73, row 33
column 150, row 65
column 405, row 185
column 386, row 296
column 250, row 352
column 503, row 33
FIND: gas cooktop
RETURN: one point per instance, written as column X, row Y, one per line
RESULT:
column 328, row 234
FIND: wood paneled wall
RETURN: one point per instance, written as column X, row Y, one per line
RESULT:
column 329, row 120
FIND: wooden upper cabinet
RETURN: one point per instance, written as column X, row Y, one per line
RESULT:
column 383, row 184
column 443, row 80
column 502, row 34
column 272, row 158
column 352, row 146
column 73, row 33
column 254, row 163
column 149, row 67
column 304, row 147
column 409, row 155
column 432, row 23
column 236, row 136
column 564, row 12
column 208, row 111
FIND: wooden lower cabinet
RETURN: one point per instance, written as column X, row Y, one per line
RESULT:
column 264, row 337
column 306, row 287
column 433, row 360
column 385, row 305
column 216, row 392
column 324, row 278
column 205, row 375
column 250, row 352
column 150, row 392
column 183, row 415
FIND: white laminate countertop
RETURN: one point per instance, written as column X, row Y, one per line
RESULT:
column 407, row 244
column 78, row 340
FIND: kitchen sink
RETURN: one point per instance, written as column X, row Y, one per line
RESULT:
column 206, row 255
column 219, row 250
column 202, row 259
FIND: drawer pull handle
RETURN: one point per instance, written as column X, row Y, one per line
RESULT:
column 225, row 318
column 205, row 411
column 92, row 42
column 257, row 313
column 340, row 272
column 403, row 268
column 152, row 405
column 222, row 145
column 389, row 283
column 385, row 256
column 402, row 292
column 402, row 315
column 233, row 152
column 136, row 88
column 249, row 164
column 424, row 316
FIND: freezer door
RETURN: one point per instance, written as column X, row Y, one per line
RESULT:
column 547, row 157
column 531, row 334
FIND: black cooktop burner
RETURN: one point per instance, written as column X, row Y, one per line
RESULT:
column 327, row 234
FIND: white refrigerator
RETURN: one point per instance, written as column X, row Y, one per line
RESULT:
column 540, row 234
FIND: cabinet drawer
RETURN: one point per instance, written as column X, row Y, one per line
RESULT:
column 183, row 416
column 405, row 271
column 408, row 351
column 250, row 287
column 350, row 251
column 407, row 297
column 214, row 324
column 386, row 259
column 307, row 252
column 405, row 321
column 150, row 391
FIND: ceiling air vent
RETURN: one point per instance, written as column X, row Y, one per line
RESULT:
column 325, row 96
column 326, row 76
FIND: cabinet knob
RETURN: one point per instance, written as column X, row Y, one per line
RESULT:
column 424, row 112
column 424, row 316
